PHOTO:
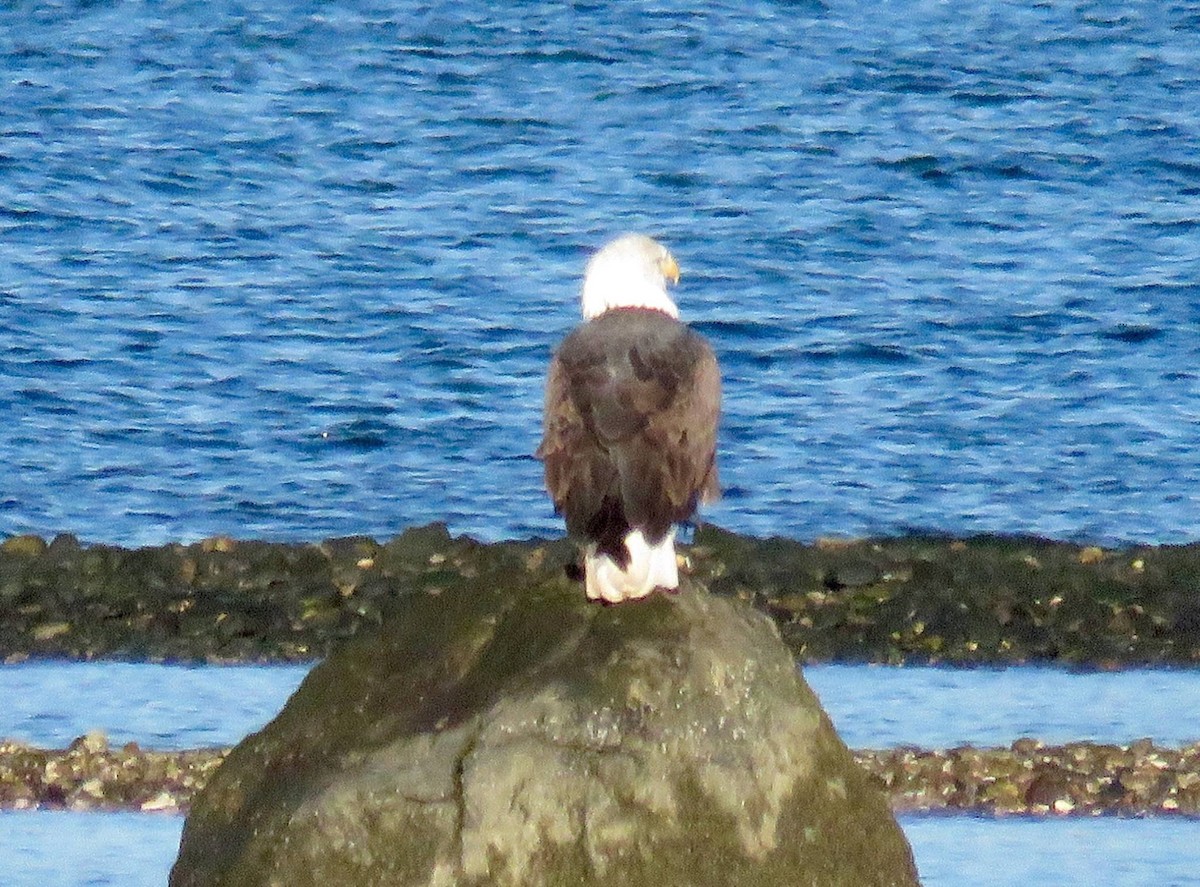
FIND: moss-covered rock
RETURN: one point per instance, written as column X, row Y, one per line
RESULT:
column 498, row 733
column 986, row 599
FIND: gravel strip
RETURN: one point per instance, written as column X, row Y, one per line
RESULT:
column 1026, row 779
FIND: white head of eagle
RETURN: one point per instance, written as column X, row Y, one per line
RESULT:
column 630, row 426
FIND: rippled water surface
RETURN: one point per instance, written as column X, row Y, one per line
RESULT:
column 295, row 271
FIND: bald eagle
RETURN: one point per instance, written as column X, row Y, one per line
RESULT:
column 630, row 426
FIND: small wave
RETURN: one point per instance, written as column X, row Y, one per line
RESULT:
column 862, row 352
column 999, row 169
column 681, row 180
column 562, row 55
column 984, row 98
column 361, row 434
column 918, row 164
column 1132, row 333
column 1184, row 168
column 753, row 330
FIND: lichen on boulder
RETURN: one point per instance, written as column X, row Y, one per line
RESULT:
column 493, row 734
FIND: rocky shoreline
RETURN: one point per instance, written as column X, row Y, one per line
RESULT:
column 920, row 599
column 990, row 600
column 1025, row 779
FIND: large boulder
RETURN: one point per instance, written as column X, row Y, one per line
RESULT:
column 507, row 732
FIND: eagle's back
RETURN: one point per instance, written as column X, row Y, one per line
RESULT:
column 632, row 404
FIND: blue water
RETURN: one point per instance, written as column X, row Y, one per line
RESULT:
column 175, row 707
column 49, row 704
column 295, row 270
column 137, row 850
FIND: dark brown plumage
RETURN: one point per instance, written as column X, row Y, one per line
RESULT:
column 630, row 427
column 632, row 402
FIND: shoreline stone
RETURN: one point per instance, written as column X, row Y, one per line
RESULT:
column 986, row 600
column 513, row 733
column 90, row 775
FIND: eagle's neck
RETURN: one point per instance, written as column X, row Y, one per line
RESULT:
column 600, row 296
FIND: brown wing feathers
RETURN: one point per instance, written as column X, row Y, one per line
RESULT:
column 631, row 410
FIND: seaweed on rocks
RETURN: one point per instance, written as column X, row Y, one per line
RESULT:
column 913, row 599
column 981, row 600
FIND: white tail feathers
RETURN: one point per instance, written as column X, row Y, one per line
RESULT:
column 649, row 567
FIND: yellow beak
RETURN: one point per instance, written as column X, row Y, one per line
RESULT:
column 669, row 268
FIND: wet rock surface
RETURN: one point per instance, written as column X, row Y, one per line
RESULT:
column 983, row 600
column 503, row 733
column 995, row 600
